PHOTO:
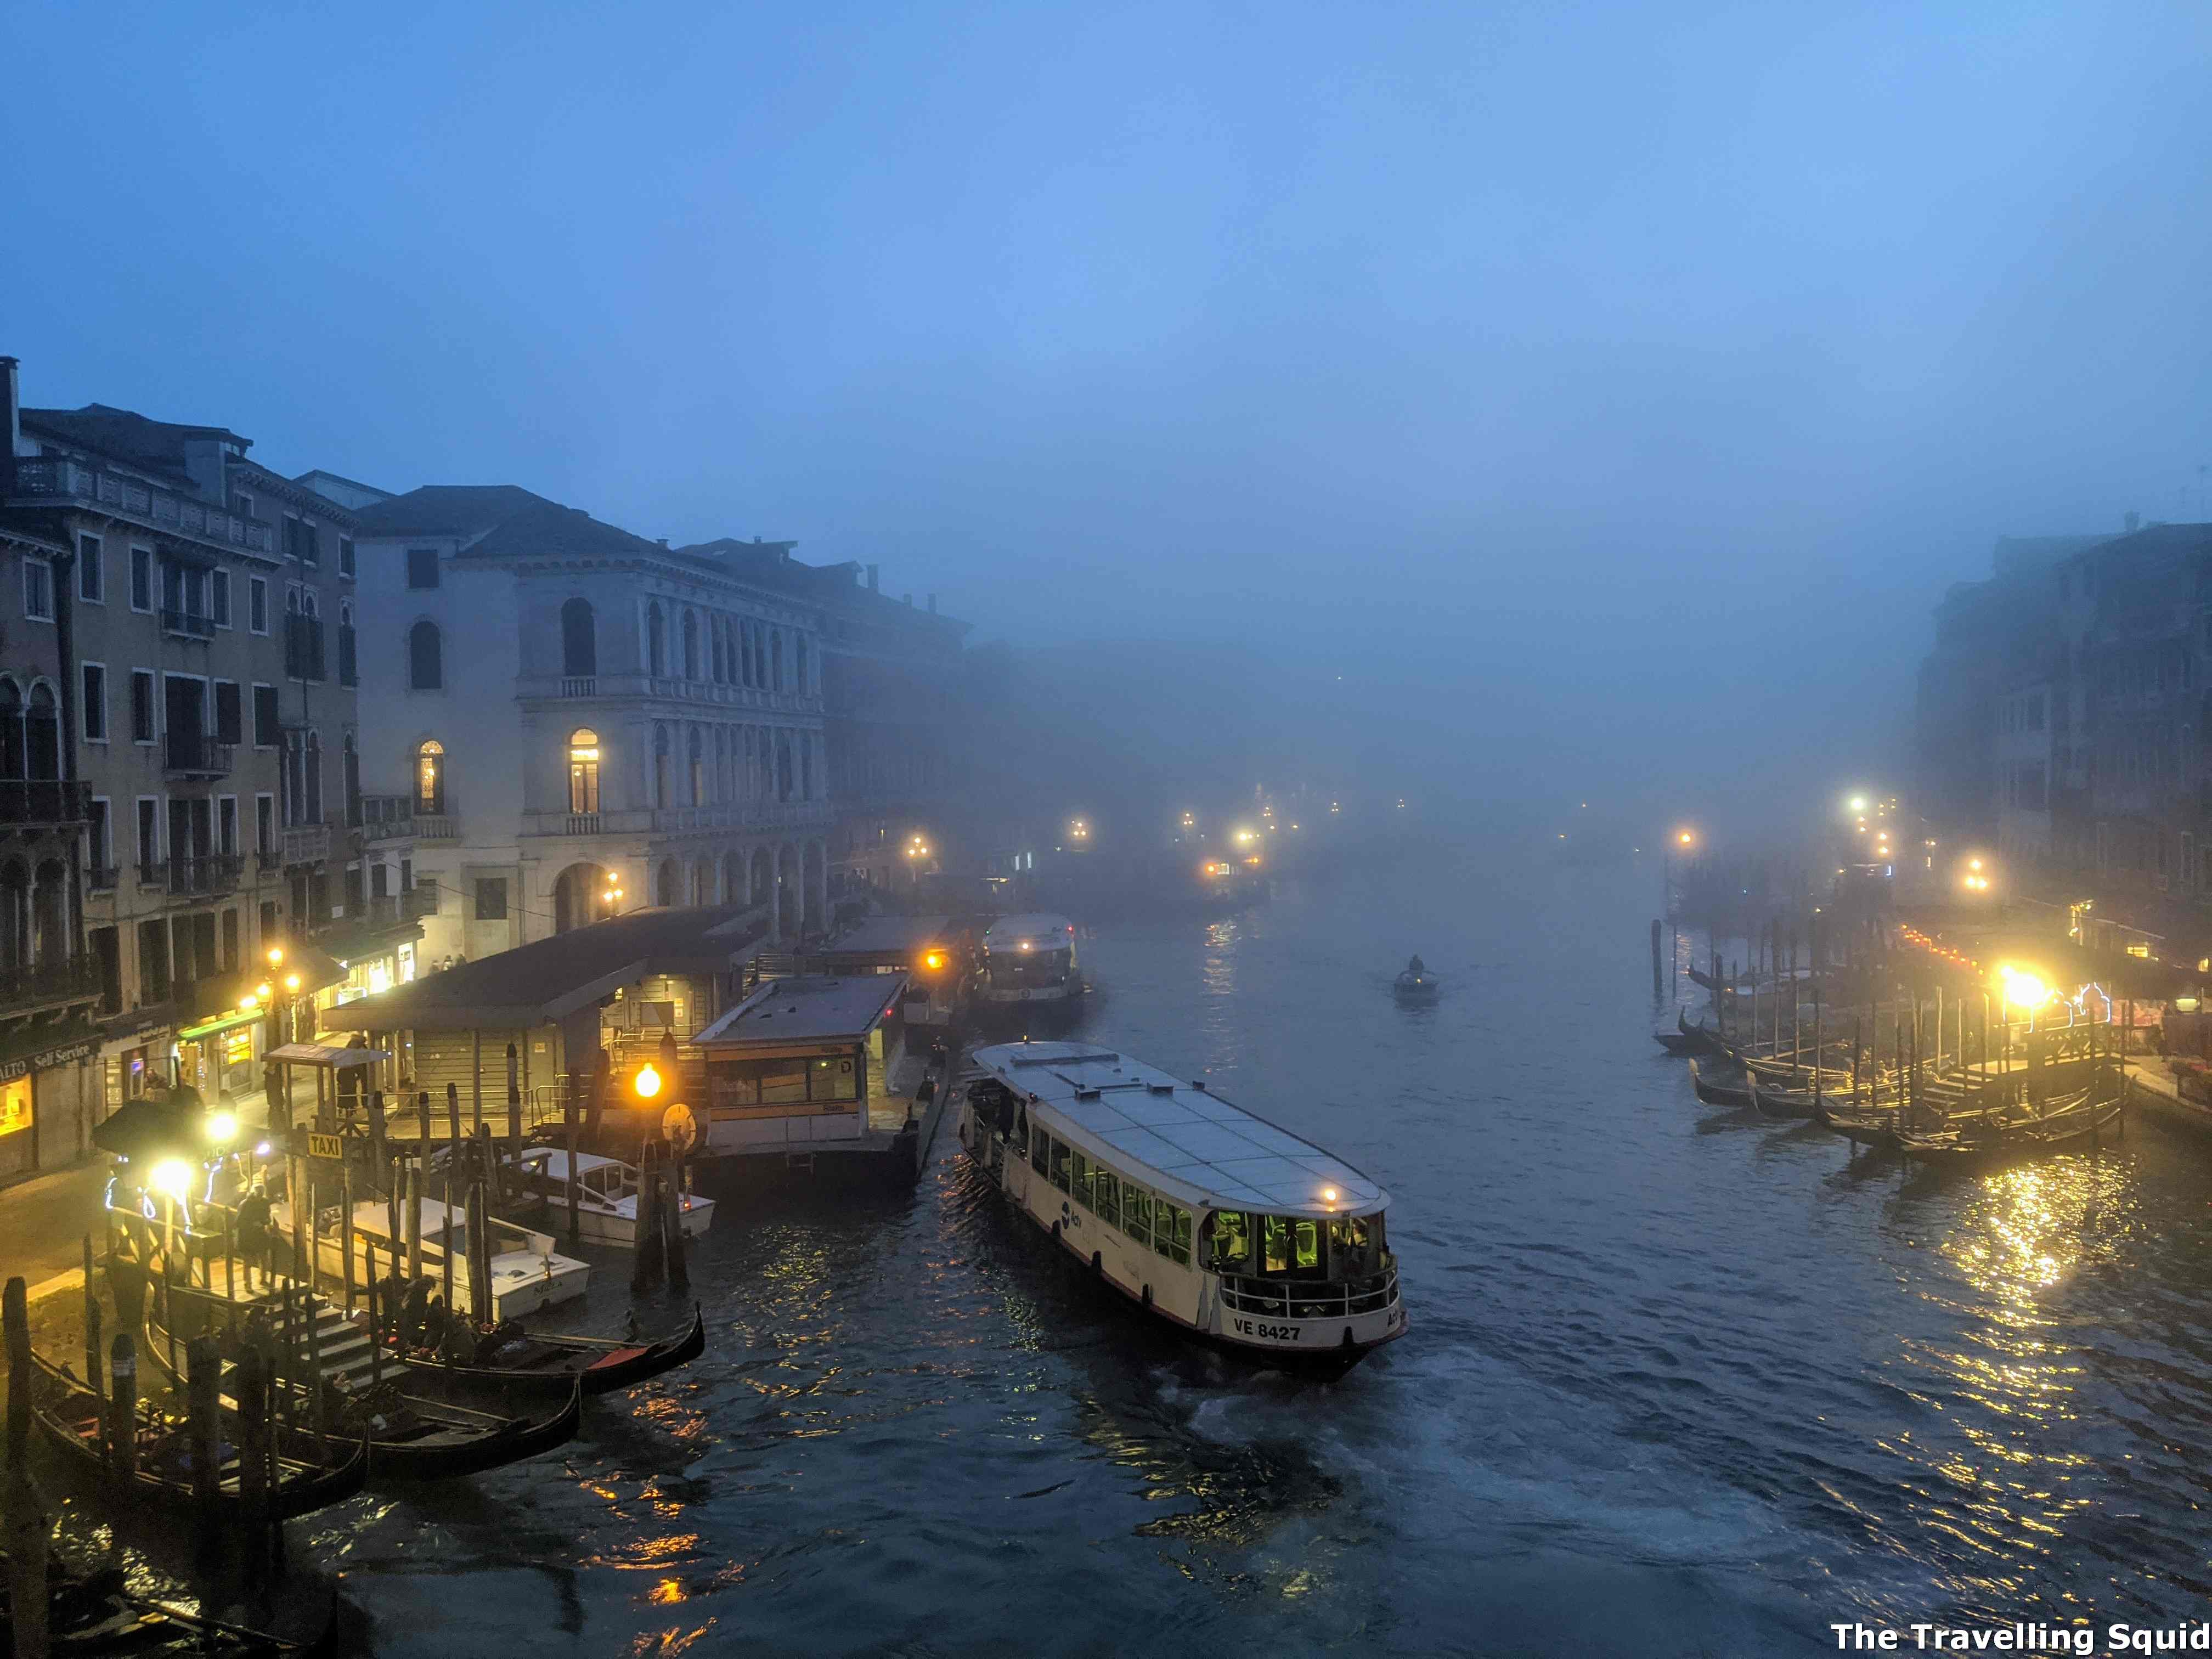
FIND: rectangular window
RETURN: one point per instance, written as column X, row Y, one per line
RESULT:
column 264, row 823
column 150, row 831
column 226, row 824
column 265, row 725
column 228, row 726
column 1059, row 1164
column 1171, row 1232
column 300, row 541
column 421, row 567
column 95, row 676
column 142, row 578
column 219, row 598
column 91, row 571
column 1040, row 1152
column 1079, row 1177
column 491, row 898
column 1107, row 1188
column 142, row 705
column 345, row 555
column 100, row 843
column 38, row 589
column 1137, row 1214
column 257, row 604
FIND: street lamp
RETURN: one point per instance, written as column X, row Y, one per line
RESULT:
column 612, row 898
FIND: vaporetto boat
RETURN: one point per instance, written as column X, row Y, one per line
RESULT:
column 1203, row 1213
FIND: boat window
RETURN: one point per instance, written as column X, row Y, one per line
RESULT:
column 1274, row 1244
column 1351, row 1247
column 1059, row 1164
column 1305, row 1244
column 786, row 1080
column 1040, row 1152
column 1233, row 1241
column 1171, row 1232
column 1137, row 1214
column 1107, row 1187
column 1021, row 1129
column 1079, row 1169
column 832, row 1078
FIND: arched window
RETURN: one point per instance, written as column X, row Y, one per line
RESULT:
column 696, row 755
column 802, row 687
column 583, row 770
column 430, row 778
column 666, row 882
column 745, row 652
column 690, row 645
column 721, row 764
column 783, row 766
column 721, row 659
column 807, row 765
column 656, row 641
column 42, row 734
column 425, row 658
column 352, row 762
column 660, row 766
column 775, row 660
column 579, row 638
column 11, row 730
column 314, row 795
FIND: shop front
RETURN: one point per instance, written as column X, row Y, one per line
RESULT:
column 50, row 1100
column 217, row 1058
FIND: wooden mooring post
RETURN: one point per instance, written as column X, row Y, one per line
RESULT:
column 122, row 1440
column 1656, row 982
column 27, row 1525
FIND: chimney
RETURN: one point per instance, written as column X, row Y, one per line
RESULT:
column 2134, row 519
column 909, row 597
column 11, row 407
column 872, row 569
column 933, row 605
column 664, row 541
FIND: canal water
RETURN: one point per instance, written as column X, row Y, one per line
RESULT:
column 1676, row 1381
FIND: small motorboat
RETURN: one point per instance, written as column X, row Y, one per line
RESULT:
column 1417, row 983
column 607, row 1192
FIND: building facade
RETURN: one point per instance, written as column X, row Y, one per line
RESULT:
column 566, row 719
column 893, row 692
column 168, row 618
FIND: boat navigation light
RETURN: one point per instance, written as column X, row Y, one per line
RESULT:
column 1025, row 945
column 1328, row 1194
column 648, row 1081
column 933, row 960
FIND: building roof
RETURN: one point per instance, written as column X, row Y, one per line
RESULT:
column 542, row 982
column 448, row 510
column 810, row 1008
column 1179, row 1138
column 888, row 936
column 549, row 530
column 157, row 445
column 337, row 487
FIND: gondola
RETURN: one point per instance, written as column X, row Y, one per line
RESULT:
column 94, row 1613
column 1717, row 1094
column 70, row 1415
column 2080, row 1121
column 412, row 1438
column 553, row 1364
column 1410, row 987
column 1781, row 1105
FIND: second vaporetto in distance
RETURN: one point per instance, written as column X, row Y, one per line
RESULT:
column 1199, row 1212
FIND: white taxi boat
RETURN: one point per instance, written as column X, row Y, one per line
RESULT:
column 1029, row 959
column 607, row 1193
column 1199, row 1212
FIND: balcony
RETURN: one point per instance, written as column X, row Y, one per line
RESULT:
column 187, row 624
column 47, row 801
column 52, row 480
column 196, row 755
column 663, row 689
column 306, row 843
column 740, row 816
column 49, row 984
column 208, row 876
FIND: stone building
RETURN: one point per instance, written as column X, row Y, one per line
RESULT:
column 166, row 610
column 556, row 710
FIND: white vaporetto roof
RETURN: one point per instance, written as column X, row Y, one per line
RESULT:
column 1179, row 1137
column 1007, row 933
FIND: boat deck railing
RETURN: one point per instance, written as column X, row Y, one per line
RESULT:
column 1287, row 1298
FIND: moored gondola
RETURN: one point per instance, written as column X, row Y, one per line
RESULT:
column 1717, row 1094
column 70, row 1415
column 553, row 1363
column 1781, row 1105
column 2084, row 1120
column 411, row 1438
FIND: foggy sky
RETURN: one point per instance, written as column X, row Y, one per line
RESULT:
column 1607, row 393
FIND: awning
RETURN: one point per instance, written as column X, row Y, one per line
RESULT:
column 221, row 1023
column 337, row 1056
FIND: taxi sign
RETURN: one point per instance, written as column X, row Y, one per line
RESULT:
column 323, row 1145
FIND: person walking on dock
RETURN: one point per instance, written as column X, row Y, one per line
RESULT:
column 255, row 1240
